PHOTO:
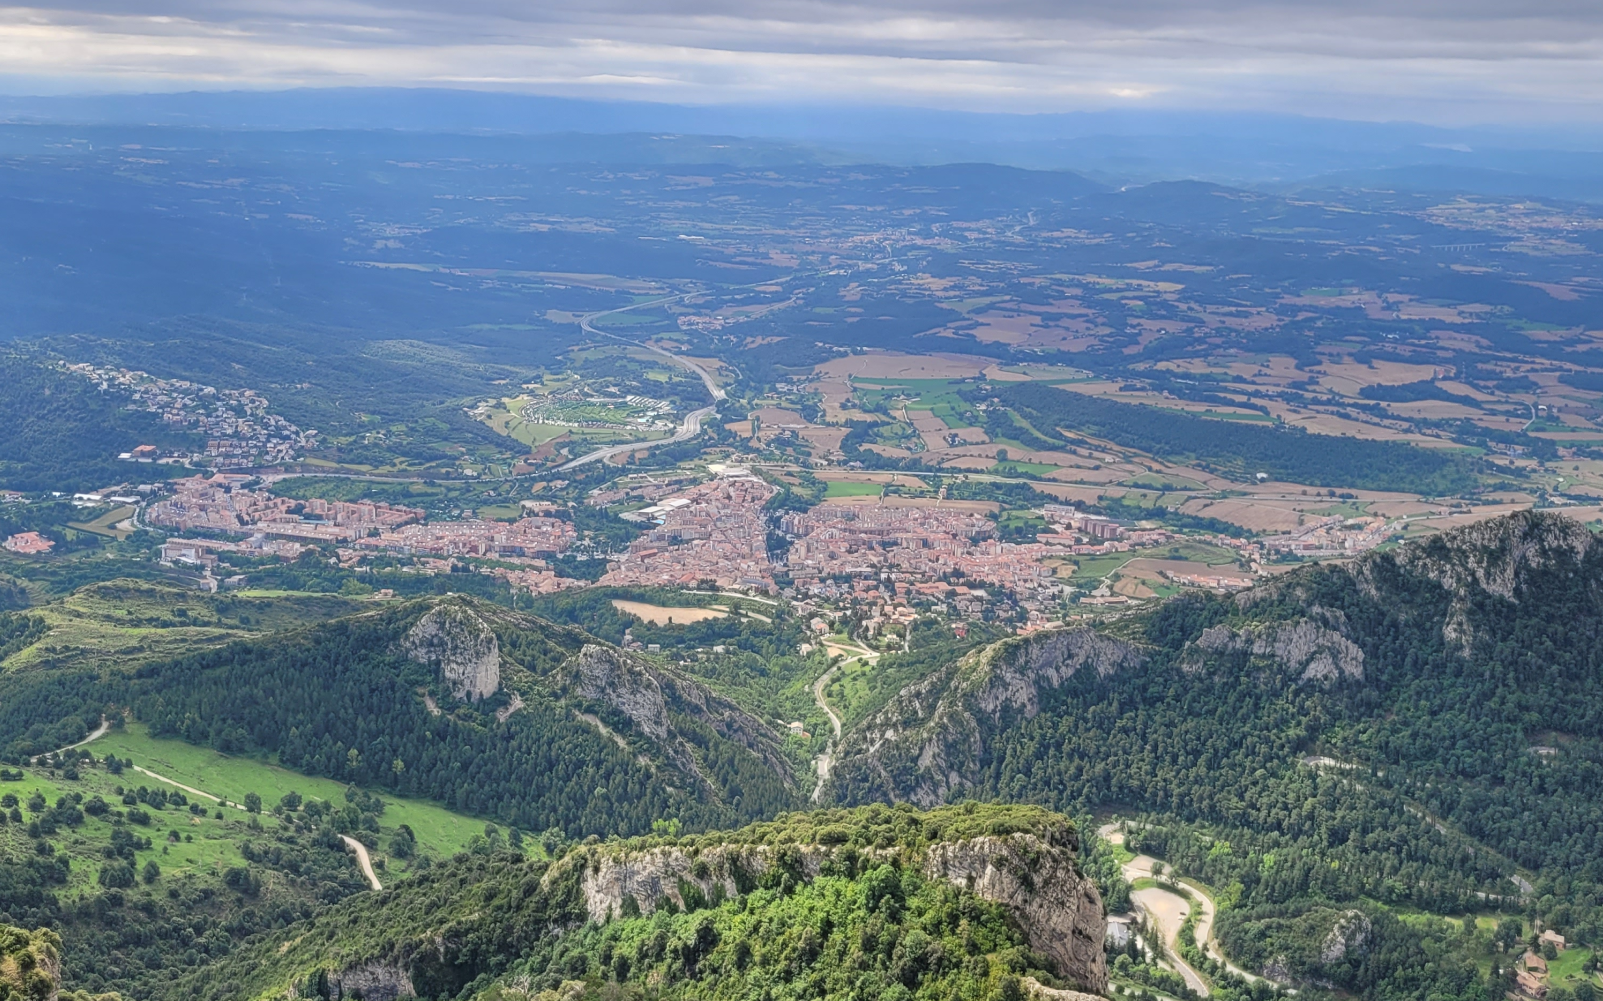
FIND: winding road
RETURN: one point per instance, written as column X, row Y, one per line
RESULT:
column 363, row 860
column 692, row 423
column 1170, row 909
column 826, row 759
column 100, row 731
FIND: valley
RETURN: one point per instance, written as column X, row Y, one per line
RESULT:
column 798, row 580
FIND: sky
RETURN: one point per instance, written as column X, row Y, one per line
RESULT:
column 1451, row 62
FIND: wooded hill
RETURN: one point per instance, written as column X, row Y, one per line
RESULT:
column 1416, row 728
column 872, row 903
column 488, row 711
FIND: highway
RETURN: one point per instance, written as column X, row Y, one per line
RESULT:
column 692, row 423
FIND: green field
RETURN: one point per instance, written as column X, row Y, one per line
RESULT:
column 106, row 523
column 1091, row 567
column 228, row 777
column 1011, row 467
column 836, row 488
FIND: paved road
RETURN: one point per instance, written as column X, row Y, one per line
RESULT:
column 688, row 430
column 1141, row 866
column 826, row 759
column 1169, row 910
column 362, row 860
column 692, row 424
column 100, row 731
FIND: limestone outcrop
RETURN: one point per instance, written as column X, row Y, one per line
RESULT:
column 453, row 639
column 931, row 737
column 1311, row 650
column 1056, row 905
column 649, row 696
column 372, row 981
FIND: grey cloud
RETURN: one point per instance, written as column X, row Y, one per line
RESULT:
column 1460, row 61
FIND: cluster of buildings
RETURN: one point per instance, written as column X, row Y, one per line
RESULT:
column 538, row 581
column 1531, row 976
column 283, row 527
column 238, row 429
column 222, row 503
column 203, row 552
column 715, row 531
column 640, row 486
column 28, row 544
column 909, row 545
column 1333, row 536
column 532, row 537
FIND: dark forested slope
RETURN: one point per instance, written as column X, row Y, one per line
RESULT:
column 489, row 711
column 1416, row 728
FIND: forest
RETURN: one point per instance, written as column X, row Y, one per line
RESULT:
column 1435, row 799
column 64, row 434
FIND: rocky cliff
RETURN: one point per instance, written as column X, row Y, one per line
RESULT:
column 658, row 703
column 1058, row 907
column 30, row 967
column 1039, row 882
column 1313, row 650
column 931, row 737
column 454, row 640
column 1495, row 561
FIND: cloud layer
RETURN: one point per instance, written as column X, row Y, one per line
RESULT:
column 1451, row 62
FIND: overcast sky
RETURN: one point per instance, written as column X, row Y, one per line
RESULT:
column 1446, row 61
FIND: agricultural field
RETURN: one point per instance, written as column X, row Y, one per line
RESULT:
column 660, row 615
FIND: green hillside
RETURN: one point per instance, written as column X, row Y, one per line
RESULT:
column 836, row 904
column 1410, row 734
column 92, row 838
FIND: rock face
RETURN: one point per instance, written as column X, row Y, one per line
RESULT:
column 1056, row 905
column 1312, row 650
column 650, row 696
column 452, row 639
column 373, row 981
column 931, row 738
column 658, row 874
column 1498, row 558
column 1348, row 936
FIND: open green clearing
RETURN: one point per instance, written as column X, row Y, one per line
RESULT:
column 230, row 777
column 190, row 845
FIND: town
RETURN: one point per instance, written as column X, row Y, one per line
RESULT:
column 239, row 430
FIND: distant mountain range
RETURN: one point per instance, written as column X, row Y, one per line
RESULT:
column 1122, row 147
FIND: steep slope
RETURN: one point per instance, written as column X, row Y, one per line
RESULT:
column 873, row 902
column 1416, row 727
column 930, row 741
column 30, row 967
column 487, row 710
